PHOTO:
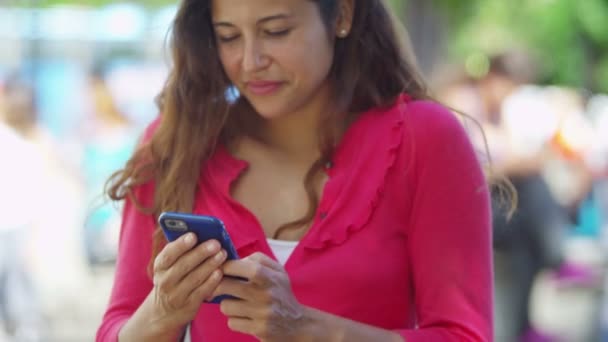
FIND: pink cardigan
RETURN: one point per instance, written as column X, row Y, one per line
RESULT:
column 402, row 239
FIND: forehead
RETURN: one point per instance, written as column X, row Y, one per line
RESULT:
column 247, row 11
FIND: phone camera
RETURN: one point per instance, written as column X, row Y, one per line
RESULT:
column 177, row 225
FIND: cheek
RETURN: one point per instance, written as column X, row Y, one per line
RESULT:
column 230, row 62
column 308, row 62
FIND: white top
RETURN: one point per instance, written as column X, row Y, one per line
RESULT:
column 282, row 249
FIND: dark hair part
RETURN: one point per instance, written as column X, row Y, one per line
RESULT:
column 370, row 69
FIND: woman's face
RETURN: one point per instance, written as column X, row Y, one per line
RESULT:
column 278, row 53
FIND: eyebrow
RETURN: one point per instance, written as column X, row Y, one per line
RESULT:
column 261, row 21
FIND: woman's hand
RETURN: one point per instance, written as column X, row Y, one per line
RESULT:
column 266, row 308
column 184, row 276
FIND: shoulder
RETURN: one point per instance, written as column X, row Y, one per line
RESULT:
column 21, row 151
column 9, row 137
column 431, row 118
column 424, row 119
column 433, row 135
column 426, row 122
column 415, row 112
column 144, row 192
column 150, row 130
column 434, row 126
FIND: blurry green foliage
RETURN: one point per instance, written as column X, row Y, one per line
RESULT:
column 569, row 38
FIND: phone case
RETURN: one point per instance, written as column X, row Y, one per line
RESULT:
column 205, row 228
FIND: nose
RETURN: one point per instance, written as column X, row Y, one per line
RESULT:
column 254, row 57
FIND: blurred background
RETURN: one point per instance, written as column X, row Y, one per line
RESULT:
column 77, row 86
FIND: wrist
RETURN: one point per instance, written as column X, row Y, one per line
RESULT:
column 139, row 329
column 317, row 326
column 150, row 325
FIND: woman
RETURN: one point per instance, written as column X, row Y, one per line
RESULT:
column 329, row 152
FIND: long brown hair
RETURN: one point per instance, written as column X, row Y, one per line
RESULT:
column 370, row 69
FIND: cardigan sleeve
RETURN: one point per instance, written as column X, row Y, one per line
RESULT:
column 449, row 237
column 131, row 281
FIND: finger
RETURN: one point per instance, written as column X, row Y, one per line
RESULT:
column 241, row 325
column 266, row 261
column 237, row 288
column 172, row 251
column 192, row 259
column 238, row 268
column 249, row 269
column 200, row 293
column 239, row 308
column 201, row 273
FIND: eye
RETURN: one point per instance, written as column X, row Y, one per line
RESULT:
column 278, row 33
column 227, row 39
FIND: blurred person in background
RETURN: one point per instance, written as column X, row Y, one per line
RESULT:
column 587, row 142
column 520, row 123
column 108, row 138
column 50, row 198
column 357, row 204
column 597, row 111
column 21, row 180
column 597, row 160
column 568, row 169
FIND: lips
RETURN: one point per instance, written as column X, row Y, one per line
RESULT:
column 261, row 88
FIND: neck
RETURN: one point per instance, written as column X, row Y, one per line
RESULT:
column 297, row 133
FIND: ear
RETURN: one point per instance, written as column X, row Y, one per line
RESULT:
column 346, row 13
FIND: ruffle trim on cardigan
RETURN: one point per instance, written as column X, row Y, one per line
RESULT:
column 329, row 234
column 354, row 191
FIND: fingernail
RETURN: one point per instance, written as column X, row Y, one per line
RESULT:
column 219, row 256
column 211, row 246
column 189, row 239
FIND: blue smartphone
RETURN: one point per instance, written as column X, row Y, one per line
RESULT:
column 205, row 228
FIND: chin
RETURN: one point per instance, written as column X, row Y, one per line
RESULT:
column 270, row 109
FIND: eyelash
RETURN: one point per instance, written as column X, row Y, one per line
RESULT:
column 227, row 39
column 273, row 34
column 278, row 33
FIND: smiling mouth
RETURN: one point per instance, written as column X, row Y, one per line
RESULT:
column 262, row 88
